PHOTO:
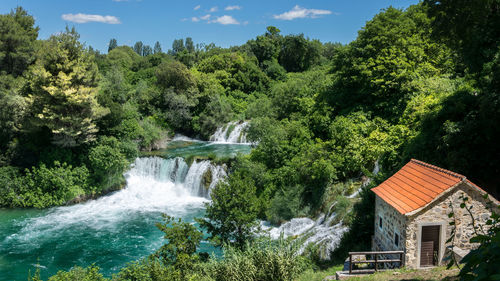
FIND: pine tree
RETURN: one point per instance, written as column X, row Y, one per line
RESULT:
column 112, row 44
column 157, row 48
column 138, row 47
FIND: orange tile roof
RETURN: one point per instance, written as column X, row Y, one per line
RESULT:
column 416, row 185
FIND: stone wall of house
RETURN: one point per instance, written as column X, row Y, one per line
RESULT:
column 437, row 213
column 392, row 222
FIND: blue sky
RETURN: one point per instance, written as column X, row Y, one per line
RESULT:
column 223, row 22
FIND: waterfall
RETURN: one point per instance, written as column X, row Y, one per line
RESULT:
column 232, row 132
column 202, row 177
column 173, row 170
column 320, row 232
column 197, row 180
column 154, row 185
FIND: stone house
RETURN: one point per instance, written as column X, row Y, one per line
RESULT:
column 411, row 213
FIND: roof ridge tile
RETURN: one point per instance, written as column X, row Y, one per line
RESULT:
column 439, row 169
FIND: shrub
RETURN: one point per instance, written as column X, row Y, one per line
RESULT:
column 264, row 260
column 44, row 187
column 77, row 273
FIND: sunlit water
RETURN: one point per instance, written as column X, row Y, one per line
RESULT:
column 117, row 228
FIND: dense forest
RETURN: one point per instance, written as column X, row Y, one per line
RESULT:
column 417, row 83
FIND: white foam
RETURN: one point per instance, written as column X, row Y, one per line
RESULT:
column 317, row 232
column 237, row 135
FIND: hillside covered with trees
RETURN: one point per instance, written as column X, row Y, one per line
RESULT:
column 418, row 83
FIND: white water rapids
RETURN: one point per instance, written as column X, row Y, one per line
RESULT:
column 153, row 185
column 320, row 232
column 232, row 132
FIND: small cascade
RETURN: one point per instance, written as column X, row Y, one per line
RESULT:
column 197, row 180
column 163, row 170
column 232, row 132
column 202, row 177
column 320, row 232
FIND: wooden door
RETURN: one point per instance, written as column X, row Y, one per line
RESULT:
column 429, row 246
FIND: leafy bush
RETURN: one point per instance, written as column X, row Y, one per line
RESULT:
column 54, row 186
column 107, row 162
column 11, row 185
column 261, row 261
column 148, row 269
column 77, row 273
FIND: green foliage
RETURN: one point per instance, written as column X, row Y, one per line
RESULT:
column 64, row 77
column 146, row 270
column 174, row 74
column 358, row 238
column 298, row 53
column 183, row 239
column 236, row 71
column 107, row 161
column 469, row 26
column 264, row 260
column 232, row 213
column 43, row 186
column 112, row 44
column 11, row 183
column 17, row 42
column 77, row 273
column 393, row 49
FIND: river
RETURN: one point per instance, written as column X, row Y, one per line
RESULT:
column 119, row 227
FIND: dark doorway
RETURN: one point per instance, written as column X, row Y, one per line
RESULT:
column 429, row 245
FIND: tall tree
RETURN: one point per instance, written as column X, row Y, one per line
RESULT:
column 17, row 38
column 178, row 46
column 147, row 50
column 233, row 211
column 157, row 48
column 472, row 27
column 189, row 45
column 62, row 88
column 138, row 47
column 112, row 44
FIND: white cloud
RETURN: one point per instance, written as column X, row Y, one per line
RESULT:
column 213, row 9
column 84, row 18
column 205, row 17
column 230, row 8
column 225, row 19
column 195, row 19
column 299, row 12
column 197, row 7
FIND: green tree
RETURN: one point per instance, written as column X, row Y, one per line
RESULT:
column 138, row 47
column 147, row 50
column 298, row 53
column 157, row 48
column 232, row 214
column 174, row 74
column 77, row 273
column 469, row 26
column 112, row 44
column 62, row 88
column 178, row 46
column 189, row 45
column 183, row 240
column 17, row 42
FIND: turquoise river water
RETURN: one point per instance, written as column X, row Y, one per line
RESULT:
column 119, row 227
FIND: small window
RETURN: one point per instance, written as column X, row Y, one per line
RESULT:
column 380, row 222
column 396, row 239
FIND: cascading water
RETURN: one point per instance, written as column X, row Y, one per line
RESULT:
column 322, row 233
column 110, row 231
column 233, row 132
column 202, row 177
